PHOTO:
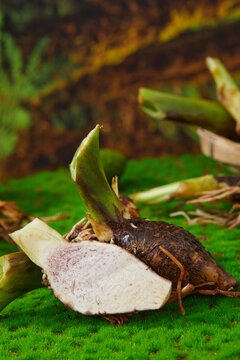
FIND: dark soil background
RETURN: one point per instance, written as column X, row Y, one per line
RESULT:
column 96, row 57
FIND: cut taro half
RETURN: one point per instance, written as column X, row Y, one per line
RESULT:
column 93, row 277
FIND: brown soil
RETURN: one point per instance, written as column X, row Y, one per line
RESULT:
column 45, row 147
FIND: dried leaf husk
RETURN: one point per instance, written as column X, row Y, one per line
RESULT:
column 203, row 215
column 229, row 219
column 12, row 217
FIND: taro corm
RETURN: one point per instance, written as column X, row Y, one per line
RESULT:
column 171, row 251
column 93, row 269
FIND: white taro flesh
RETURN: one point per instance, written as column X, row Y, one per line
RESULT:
column 93, row 277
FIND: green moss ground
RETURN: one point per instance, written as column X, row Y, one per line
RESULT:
column 38, row 326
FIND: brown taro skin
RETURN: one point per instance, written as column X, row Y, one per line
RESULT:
column 143, row 238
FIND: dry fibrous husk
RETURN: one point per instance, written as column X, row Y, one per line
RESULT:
column 219, row 194
column 202, row 215
column 12, row 217
column 220, row 148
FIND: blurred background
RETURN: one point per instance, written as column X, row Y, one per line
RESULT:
column 67, row 65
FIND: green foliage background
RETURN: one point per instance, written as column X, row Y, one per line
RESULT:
column 20, row 81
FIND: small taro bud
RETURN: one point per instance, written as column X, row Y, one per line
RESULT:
column 92, row 277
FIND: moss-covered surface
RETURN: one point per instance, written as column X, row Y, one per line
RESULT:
column 38, row 326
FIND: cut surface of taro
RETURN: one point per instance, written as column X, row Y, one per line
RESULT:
column 93, row 277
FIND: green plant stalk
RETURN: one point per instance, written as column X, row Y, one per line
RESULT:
column 206, row 114
column 227, row 90
column 177, row 190
column 87, row 172
column 18, row 275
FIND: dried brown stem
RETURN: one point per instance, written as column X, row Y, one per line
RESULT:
column 179, row 284
column 208, row 196
column 52, row 218
column 233, row 294
column 189, row 289
column 229, row 219
column 12, row 218
column 81, row 231
column 116, row 320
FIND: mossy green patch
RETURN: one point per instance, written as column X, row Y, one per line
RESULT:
column 38, row 326
column 114, row 163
